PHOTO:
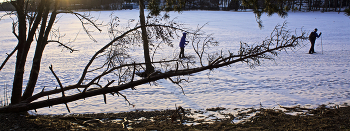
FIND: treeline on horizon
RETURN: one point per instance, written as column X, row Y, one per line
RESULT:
column 236, row 5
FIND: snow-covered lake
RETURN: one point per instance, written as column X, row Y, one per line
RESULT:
column 295, row 78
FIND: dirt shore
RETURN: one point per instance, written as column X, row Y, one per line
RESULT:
column 322, row 118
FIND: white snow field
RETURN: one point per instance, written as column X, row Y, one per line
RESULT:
column 294, row 78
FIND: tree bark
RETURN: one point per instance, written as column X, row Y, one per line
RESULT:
column 22, row 52
column 42, row 42
column 149, row 67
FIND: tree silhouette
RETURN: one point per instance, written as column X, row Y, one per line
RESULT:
column 35, row 20
column 119, row 69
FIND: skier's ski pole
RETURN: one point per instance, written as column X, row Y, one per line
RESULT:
column 321, row 45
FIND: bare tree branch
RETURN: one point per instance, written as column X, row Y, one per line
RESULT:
column 7, row 58
column 61, row 44
column 14, row 23
column 178, row 83
column 81, row 18
column 61, row 86
column 110, row 43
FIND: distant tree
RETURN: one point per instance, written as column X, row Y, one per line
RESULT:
column 214, row 4
column 300, row 4
column 347, row 12
column 191, row 4
column 234, row 4
column 224, row 4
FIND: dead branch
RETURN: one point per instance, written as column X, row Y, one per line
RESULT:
column 56, row 33
column 125, row 98
column 81, row 18
column 178, row 83
column 61, row 44
column 7, row 14
column 8, row 57
column 61, row 86
column 14, row 23
column 111, row 43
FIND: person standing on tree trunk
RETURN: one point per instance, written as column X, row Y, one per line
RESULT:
column 312, row 37
column 182, row 44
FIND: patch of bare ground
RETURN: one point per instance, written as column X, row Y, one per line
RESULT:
column 322, row 118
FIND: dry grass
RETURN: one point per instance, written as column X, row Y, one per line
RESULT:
column 266, row 119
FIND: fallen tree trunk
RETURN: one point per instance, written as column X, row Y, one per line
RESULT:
column 61, row 100
column 279, row 40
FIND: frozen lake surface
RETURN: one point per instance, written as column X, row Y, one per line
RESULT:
column 294, row 78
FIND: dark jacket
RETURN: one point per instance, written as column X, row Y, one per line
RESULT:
column 183, row 41
column 314, row 35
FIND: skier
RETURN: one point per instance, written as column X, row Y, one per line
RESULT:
column 182, row 44
column 312, row 37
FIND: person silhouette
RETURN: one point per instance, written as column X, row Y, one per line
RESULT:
column 312, row 37
column 182, row 45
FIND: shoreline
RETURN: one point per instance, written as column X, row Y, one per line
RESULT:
column 321, row 118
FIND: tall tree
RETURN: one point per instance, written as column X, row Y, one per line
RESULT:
column 155, row 9
column 149, row 67
column 45, row 28
column 35, row 19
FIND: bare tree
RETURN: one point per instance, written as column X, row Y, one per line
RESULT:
column 120, row 68
column 124, row 68
column 34, row 20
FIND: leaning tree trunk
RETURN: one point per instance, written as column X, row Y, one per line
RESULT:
column 248, row 54
column 149, row 67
